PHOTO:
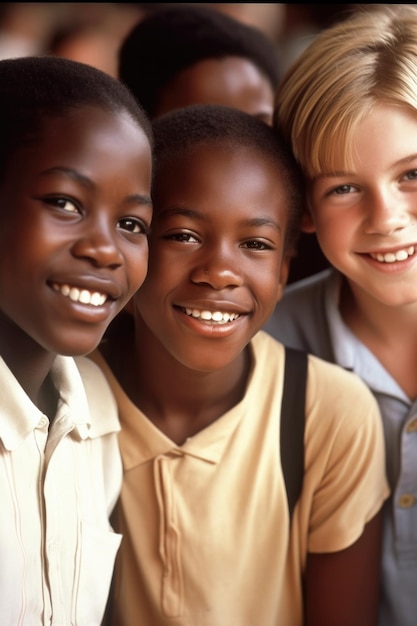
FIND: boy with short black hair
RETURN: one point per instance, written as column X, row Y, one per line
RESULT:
column 75, row 209
column 189, row 54
column 203, row 509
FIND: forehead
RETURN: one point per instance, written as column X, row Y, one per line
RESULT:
column 217, row 175
column 231, row 81
column 386, row 136
column 72, row 131
column 90, row 141
column 385, row 131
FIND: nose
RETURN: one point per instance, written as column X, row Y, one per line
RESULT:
column 219, row 269
column 387, row 213
column 98, row 245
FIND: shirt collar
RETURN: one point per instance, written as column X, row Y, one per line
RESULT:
column 141, row 441
column 19, row 416
column 349, row 351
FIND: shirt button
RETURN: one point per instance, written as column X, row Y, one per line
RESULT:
column 406, row 501
column 412, row 426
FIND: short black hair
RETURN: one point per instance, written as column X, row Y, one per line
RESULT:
column 34, row 89
column 178, row 131
column 172, row 39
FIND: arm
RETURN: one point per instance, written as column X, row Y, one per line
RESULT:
column 343, row 587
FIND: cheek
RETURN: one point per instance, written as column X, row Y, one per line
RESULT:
column 137, row 266
column 335, row 236
column 331, row 223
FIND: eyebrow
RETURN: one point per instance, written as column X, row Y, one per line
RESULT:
column 335, row 174
column 257, row 222
column 407, row 159
column 191, row 213
column 86, row 182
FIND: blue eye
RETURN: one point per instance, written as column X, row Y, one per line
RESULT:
column 343, row 189
column 411, row 175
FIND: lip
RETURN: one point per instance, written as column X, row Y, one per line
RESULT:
column 392, row 259
column 207, row 328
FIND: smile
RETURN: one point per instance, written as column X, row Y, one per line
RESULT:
column 212, row 316
column 84, row 296
column 392, row 257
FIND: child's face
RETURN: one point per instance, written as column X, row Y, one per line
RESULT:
column 366, row 217
column 216, row 266
column 74, row 211
column 233, row 82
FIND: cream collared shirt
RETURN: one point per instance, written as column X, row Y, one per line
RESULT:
column 206, row 538
column 58, row 485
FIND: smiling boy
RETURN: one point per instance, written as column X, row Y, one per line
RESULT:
column 203, row 508
column 75, row 209
column 354, row 133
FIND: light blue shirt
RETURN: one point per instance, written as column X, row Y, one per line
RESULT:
column 308, row 318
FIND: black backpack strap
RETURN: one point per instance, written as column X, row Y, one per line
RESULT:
column 292, row 423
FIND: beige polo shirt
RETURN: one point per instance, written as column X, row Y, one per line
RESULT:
column 205, row 525
column 57, row 489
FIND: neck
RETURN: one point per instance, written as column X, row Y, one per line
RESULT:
column 30, row 365
column 389, row 332
column 178, row 400
column 367, row 317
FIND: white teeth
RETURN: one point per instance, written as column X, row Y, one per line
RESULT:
column 391, row 257
column 74, row 294
column 97, row 299
column 81, row 295
column 212, row 316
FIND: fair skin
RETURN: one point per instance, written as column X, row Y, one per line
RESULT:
column 232, row 81
column 75, row 211
column 217, row 246
column 366, row 222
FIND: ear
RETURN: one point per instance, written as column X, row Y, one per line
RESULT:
column 307, row 222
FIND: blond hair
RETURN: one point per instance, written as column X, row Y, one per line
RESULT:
column 368, row 58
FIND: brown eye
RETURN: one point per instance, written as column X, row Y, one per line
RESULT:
column 63, row 204
column 132, row 225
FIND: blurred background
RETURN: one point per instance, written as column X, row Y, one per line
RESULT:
column 93, row 32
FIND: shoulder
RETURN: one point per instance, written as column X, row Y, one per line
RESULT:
column 343, row 419
column 331, row 385
column 299, row 319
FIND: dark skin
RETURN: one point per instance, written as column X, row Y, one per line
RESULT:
column 33, row 371
column 183, row 408
column 79, row 223
column 345, row 586
column 231, row 81
column 205, row 366
column 208, row 254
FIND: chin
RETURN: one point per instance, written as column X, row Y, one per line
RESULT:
column 77, row 348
